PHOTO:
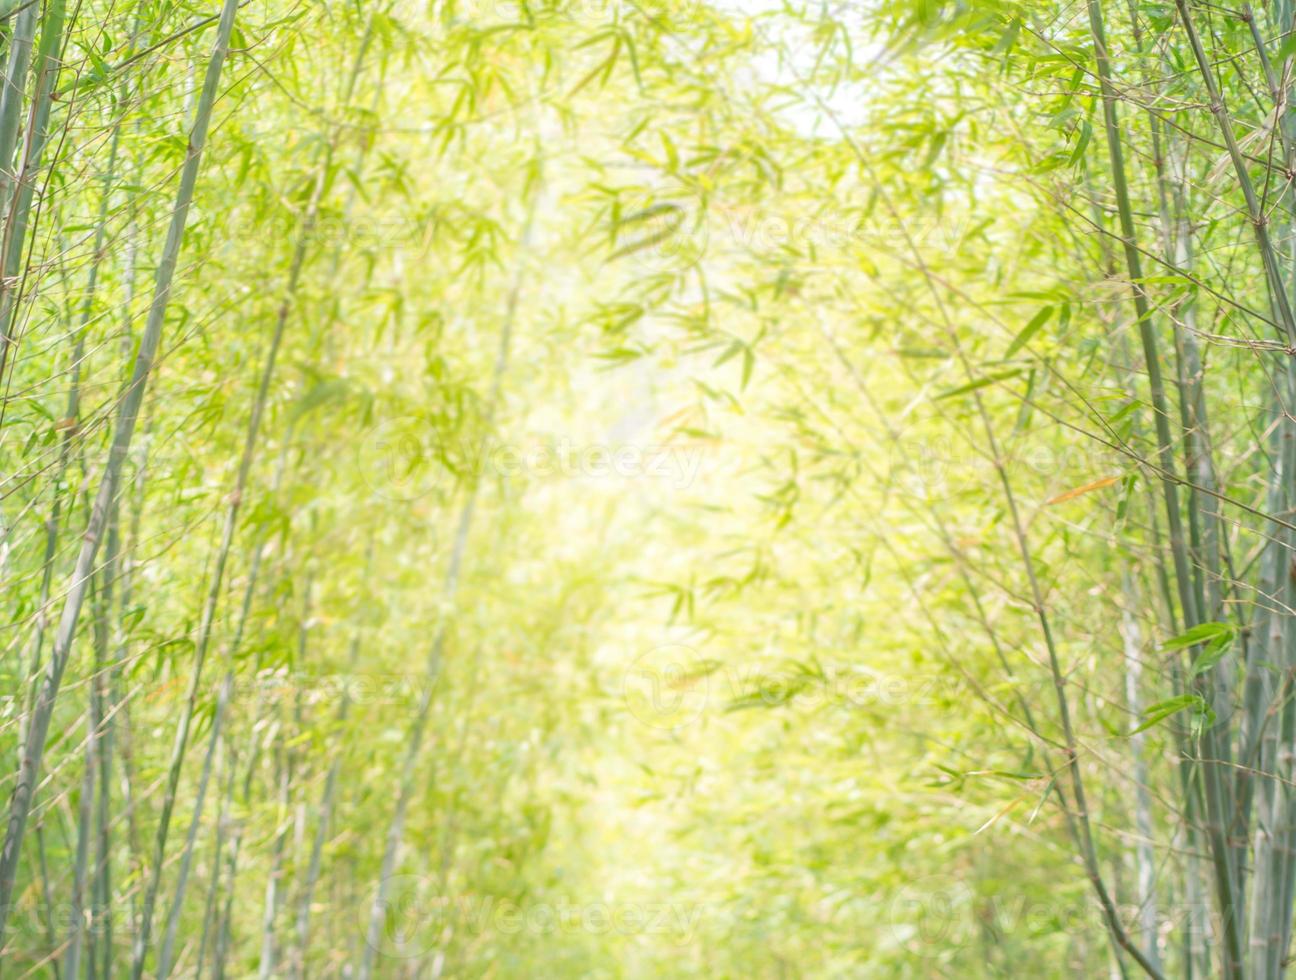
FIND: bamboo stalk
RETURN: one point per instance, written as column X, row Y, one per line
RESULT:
column 101, row 693
column 85, row 831
column 323, row 824
column 274, row 891
column 223, row 924
column 48, row 62
column 222, row 822
column 1218, row 805
column 11, row 96
column 304, row 238
column 449, row 588
column 1146, row 859
column 30, row 764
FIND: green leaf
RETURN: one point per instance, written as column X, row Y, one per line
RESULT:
column 1215, row 638
column 1086, row 133
column 978, row 383
column 1028, row 331
column 1008, row 38
column 1162, row 710
column 1209, row 657
column 1204, row 633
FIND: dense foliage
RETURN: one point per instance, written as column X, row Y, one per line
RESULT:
column 595, row 488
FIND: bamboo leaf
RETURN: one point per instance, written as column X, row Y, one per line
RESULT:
column 1027, row 332
column 1162, row 710
column 977, row 384
column 1106, row 481
column 1205, row 633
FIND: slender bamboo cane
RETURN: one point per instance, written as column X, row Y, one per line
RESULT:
column 14, row 240
column 214, row 590
column 322, row 826
column 47, row 894
column 223, row 925
column 11, row 97
column 48, row 55
column 1259, row 221
column 450, row 586
column 1147, row 903
column 85, row 831
column 101, row 692
column 300, row 251
column 1219, row 807
column 222, row 822
column 276, row 889
column 1256, row 676
column 1088, row 854
column 223, row 698
column 1276, row 833
column 165, row 956
column 274, row 879
column 33, row 751
column 204, row 639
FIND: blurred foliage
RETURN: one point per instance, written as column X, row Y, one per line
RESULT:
column 692, row 319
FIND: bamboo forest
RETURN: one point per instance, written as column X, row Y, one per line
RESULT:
column 642, row 489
